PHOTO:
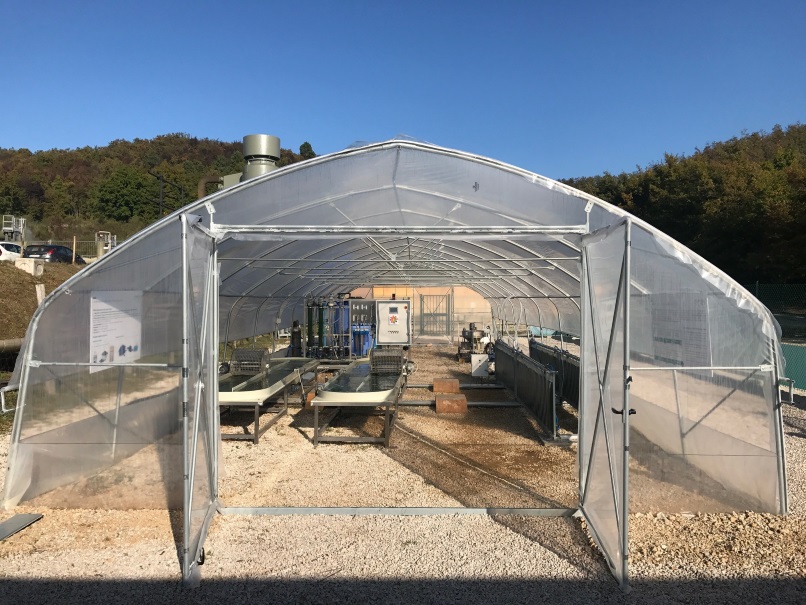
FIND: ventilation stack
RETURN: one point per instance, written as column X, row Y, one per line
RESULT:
column 261, row 152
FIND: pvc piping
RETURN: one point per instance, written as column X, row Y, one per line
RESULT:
column 11, row 345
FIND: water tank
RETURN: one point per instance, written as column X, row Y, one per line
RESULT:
column 261, row 152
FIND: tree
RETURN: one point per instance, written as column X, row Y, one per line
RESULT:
column 60, row 199
column 125, row 193
column 306, row 151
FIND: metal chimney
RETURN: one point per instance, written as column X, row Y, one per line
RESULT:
column 261, row 152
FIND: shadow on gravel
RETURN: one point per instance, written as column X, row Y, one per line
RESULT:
column 791, row 421
column 797, row 424
column 491, row 475
column 389, row 592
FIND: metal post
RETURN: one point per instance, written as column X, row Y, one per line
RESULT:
column 215, row 431
column 777, row 421
column 583, row 365
column 117, row 413
column 553, row 398
column 625, row 416
column 451, row 313
column 422, row 314
column 185, row 359
column 540, row 321
column 679, row 414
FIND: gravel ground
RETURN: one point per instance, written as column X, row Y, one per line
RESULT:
column 97, row 555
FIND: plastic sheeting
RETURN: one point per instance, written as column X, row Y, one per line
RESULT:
column 705, row 389
column 107, row 436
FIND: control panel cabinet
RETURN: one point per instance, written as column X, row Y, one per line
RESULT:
column 393, row 322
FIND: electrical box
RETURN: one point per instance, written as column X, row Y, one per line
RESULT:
column 393, row 322
column 479, row 365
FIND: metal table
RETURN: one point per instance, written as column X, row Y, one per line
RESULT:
column 355, row 387
column 255, row 391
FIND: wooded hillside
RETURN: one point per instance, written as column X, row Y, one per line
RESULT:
column 116, row 188
column 740, row 203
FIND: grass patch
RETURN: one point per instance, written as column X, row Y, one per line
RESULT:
column 6, row 422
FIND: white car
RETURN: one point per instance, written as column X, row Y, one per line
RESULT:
column 9, row 251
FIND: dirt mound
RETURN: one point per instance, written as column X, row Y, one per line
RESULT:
column 18, row 294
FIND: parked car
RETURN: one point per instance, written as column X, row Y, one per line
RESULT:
column 9, row 251
column 51, row 253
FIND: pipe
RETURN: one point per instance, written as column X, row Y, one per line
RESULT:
column 11, row 345
column 203, row 182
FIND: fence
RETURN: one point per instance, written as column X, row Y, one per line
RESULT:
column 85, row 249
column 788, row 304
column 795, row 355
column 532, row 383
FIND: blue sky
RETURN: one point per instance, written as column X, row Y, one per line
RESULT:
column 562, row 89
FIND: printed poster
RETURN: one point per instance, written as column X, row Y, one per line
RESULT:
column 115, row 327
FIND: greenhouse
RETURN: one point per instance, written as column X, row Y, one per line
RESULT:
column 675, row 355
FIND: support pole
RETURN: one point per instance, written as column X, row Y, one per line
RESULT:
column 583, row 368
column 215, row 417
column 185, row 358
column 117, row 413
column 777, row 419
column 625, row 416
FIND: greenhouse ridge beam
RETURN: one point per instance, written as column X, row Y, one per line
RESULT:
column 460, row 271
column 473, row 232
column 391, row 280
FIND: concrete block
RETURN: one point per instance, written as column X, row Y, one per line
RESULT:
column 446, row 385
column 451, row 403
column 34, row 266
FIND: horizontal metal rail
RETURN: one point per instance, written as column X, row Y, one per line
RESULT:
column 409, row 511
column 470, row 404
column 34, row 363
column 463, row 385
column 406, row 261
column 761, row 368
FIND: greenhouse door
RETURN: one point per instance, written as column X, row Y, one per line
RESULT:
column 199, row 382
column 435, row 314
column 604, row 425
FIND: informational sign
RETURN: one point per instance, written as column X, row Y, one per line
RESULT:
column 115, row 327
